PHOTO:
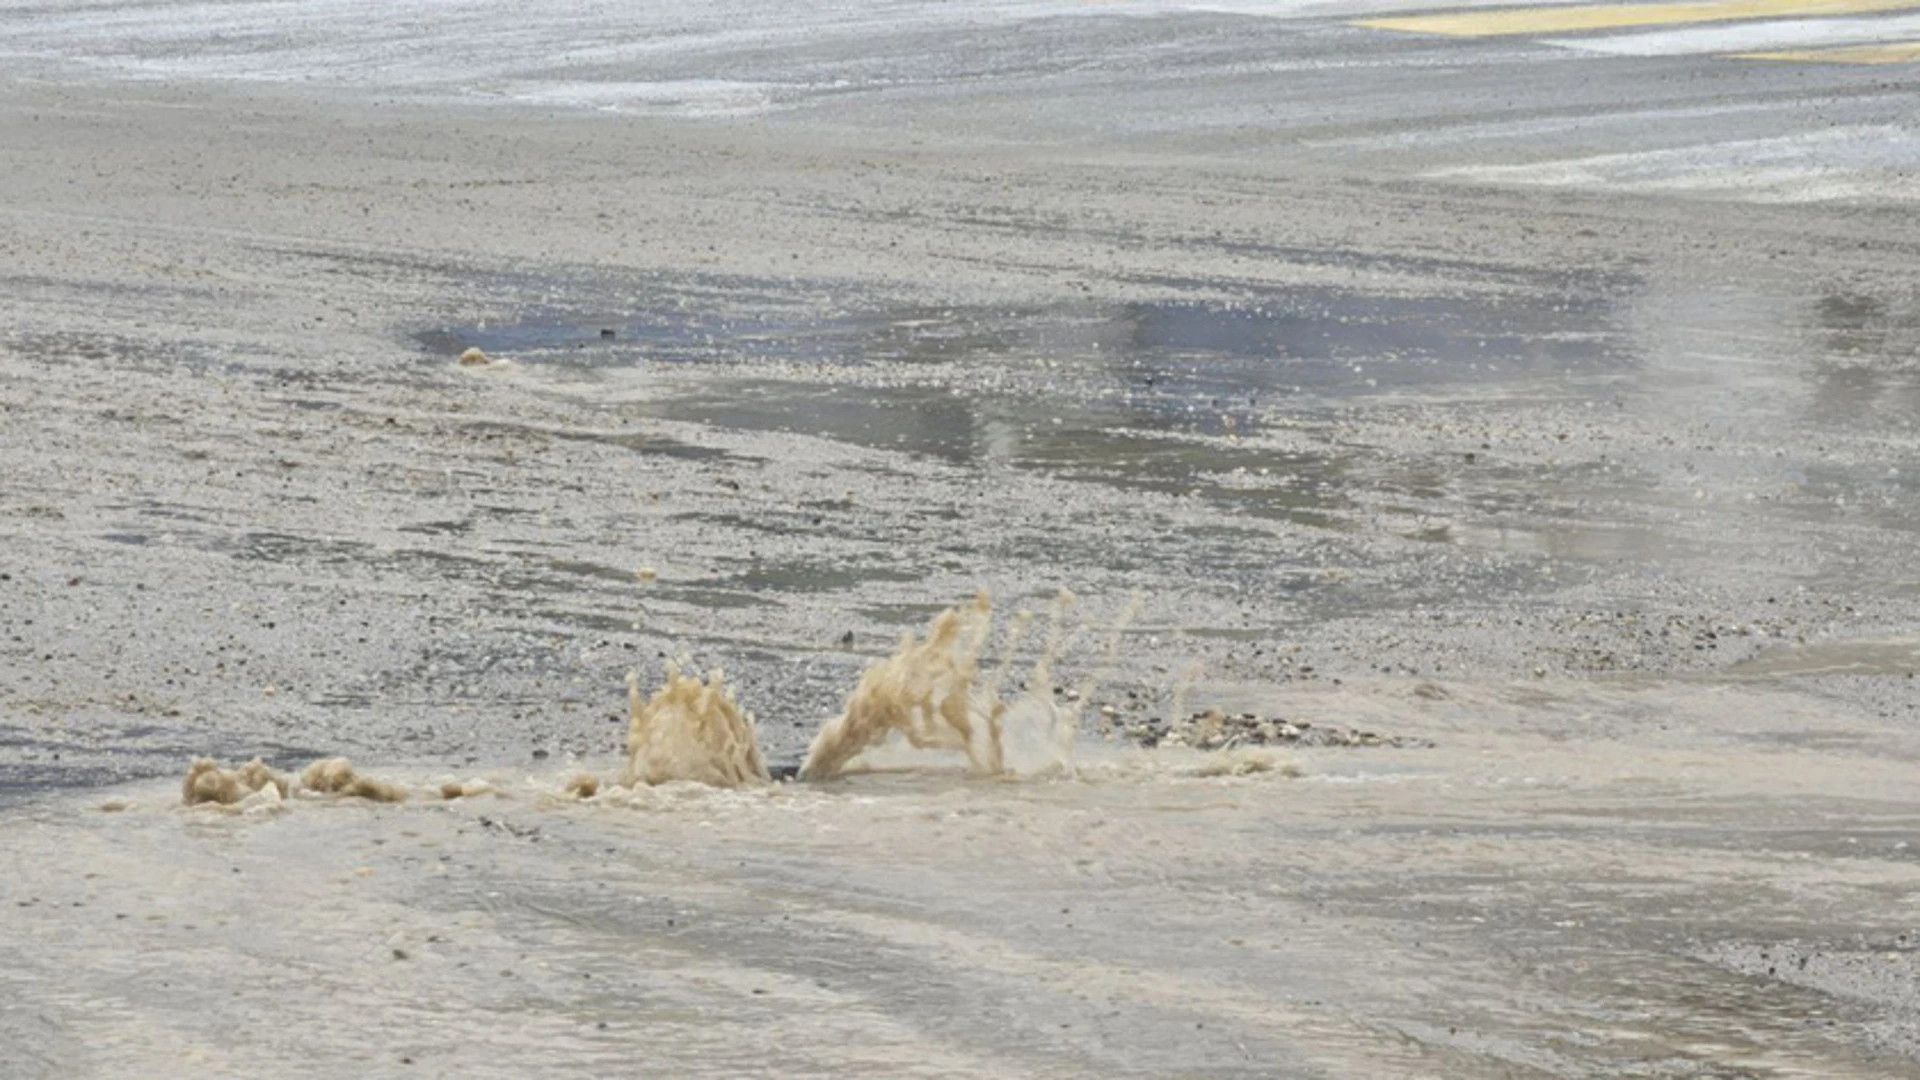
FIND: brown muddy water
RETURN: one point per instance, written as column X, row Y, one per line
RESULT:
column 1500, row 903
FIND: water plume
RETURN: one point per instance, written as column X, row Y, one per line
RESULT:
column 455, row 789
column 335, row 776
column 930, row 693
column 689, row 730
column 207, row 782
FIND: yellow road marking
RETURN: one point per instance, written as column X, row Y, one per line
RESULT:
column 1554, row 20
column 1897, row 52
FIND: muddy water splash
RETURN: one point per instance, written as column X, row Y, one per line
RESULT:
column 930, row 694
column 255, row 784
column 689, row 730
column 207, row 782
column 336, row 776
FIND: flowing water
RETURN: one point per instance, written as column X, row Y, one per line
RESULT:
column 1394, row 913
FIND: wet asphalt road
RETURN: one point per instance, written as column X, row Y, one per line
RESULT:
column 1574, row 389
column 1664, row 100
column 1267, row 332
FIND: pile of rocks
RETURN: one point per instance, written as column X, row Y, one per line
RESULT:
column 1215, row 730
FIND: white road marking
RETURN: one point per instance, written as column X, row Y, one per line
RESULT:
column 1890, row 52
column 1879, row 162
column 1747, row 37
column 1551, row 19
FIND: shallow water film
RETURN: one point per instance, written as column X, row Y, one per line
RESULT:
column 1140, row 539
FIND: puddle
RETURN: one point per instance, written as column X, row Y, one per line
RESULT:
column 1285, row 405
column 1867, row 362
column 1149, row 395
column 1170, row 354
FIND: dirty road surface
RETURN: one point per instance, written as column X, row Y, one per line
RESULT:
column 1531, row 390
